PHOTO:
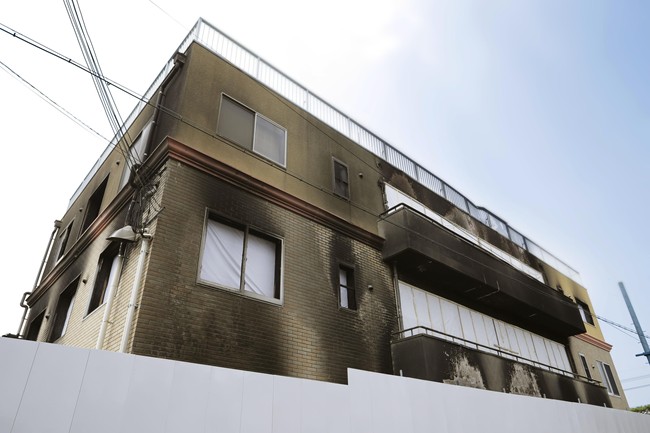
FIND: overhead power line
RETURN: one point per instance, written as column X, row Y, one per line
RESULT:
column 618, row 325
column 49, row 100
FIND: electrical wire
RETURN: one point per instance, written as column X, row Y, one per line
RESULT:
column 50, row 101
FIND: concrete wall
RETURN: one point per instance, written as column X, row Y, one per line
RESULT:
column 54, row 388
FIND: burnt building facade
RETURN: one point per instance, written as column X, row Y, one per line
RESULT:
column 243, row 222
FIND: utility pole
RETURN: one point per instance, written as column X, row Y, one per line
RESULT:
column 637, row 325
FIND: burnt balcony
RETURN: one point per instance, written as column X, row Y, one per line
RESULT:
column 423, row 353
column 424, row 250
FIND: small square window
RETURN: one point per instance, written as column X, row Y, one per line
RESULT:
column 341, row 179
column 347, row 292
column 241, row 259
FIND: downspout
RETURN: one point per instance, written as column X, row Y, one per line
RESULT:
column 57, row 226
column 135, row 290
column 39, row 274
column 179, row 60
column 116, row 272
column 26, row 307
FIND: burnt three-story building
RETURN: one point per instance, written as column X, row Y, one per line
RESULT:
column 241, row 221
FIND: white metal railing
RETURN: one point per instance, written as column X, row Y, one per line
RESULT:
column 259, row 69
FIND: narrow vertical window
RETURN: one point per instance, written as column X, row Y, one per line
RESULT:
column 585, row 313
column 94, row 205
column 341, row 179
column 347, row 293
column 63, row 240
column 585, row 365
column 103, row 277
column 608, row 377
column 35, row 327
column 135, row 156
column 63, row 311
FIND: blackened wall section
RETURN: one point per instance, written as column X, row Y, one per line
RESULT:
column 307, row 336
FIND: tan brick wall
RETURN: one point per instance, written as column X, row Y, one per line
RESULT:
column 308, row 336
column 592, row 354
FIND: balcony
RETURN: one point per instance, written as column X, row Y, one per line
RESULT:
column 422, row 353
column 423, row 250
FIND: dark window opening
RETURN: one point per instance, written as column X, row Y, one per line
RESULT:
column 94, row 205
column 341, row 179
column 585, row 366
column 104, row 268
column 585, row 313
column 608, row 377
column 35, row 327
column 347, row 292
column 63, row 311
column 65, row 236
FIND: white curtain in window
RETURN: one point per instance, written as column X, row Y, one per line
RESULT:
column 466, row 323
column 409, row 319
column 435, row 313
column 540, row 349
column 260, row 266
column 422, row 309
column 523, row 345
column 222, row 255
column 451, row 318
column 479, row 328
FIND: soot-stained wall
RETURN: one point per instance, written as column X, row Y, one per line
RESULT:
column 308, row 336
column 430, row 358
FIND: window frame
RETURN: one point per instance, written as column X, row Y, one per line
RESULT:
column 256, row 115
column 38, row 320
column 607, row 376
column 86, row 223
column 336, row 161
column 585, row 366
column 64, row 238
column 69, row 295
column 103, row 265
column 585, row 312
column 351, row 288
column 137, row 151
column 248, row 230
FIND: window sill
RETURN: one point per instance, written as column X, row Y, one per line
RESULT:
column 251, row 296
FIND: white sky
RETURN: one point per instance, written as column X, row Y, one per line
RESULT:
column 537, row 110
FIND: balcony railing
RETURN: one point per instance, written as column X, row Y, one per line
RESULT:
column 499, row 351
column 259, row 69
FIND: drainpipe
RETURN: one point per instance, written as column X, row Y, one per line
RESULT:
column 26, row 309
column 179, row 61
column 137, row 282
column 114, row 279
column 57, row 226
column 39, row 274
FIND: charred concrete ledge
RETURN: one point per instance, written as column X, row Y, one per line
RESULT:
column 422, row 250
column 427, row 357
